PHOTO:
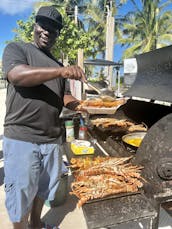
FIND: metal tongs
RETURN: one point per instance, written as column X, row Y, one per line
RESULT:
column 95, row 142
column 94, row 88
column 103, row 93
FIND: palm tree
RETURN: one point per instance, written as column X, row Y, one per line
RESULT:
column 91, row 18
column 147, row 28
column 88, row 35
column 95, row 21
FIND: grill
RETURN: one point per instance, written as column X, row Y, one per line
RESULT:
column 150, row 99
column 153, row 83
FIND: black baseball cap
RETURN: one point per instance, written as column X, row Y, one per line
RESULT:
column 51, row 14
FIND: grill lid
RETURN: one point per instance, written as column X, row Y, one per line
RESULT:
column 155, row 154
column 154, row 76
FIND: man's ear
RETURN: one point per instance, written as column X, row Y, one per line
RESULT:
column 33, row 26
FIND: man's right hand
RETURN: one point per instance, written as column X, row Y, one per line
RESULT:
column 73, row 72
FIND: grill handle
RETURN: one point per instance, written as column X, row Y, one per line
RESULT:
column 164, row 169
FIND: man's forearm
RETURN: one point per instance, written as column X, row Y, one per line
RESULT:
column 27, row 76
column 71, row 102
column 73, row 105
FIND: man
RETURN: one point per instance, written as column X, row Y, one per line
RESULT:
column 37, row 91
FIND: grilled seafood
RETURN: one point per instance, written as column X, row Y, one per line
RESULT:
column 104, row 176
column 100, row 186
column 98, row 102
column 123, row 123
column 106, row 122
column 139, row 127
column 92, row 103
column 83, row 163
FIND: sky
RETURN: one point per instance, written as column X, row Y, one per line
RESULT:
column 13, row 10
column 10, row 12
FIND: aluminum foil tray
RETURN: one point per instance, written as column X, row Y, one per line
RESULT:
column 101, row 110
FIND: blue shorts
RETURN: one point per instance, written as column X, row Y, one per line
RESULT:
column 30, row 170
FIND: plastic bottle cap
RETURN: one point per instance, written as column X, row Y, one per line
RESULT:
column 69, row 123
column 83, row 128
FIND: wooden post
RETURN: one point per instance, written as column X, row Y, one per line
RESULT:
column 110, row 23
column 78, row 84
column 78, row 87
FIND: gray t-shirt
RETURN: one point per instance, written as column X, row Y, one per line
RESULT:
column 32, row 113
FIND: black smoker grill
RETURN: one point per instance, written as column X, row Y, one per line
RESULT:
column 150, row 99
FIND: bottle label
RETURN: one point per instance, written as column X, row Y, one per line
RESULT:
column 69, row 134
column 81, row 134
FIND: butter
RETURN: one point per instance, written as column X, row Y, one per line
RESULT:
column 81, row 147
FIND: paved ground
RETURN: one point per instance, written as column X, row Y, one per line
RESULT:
column 67, row 216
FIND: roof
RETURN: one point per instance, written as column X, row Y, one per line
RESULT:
column 101, row 62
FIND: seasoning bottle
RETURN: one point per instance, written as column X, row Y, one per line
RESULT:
column 82, row 132
column 69, row 131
